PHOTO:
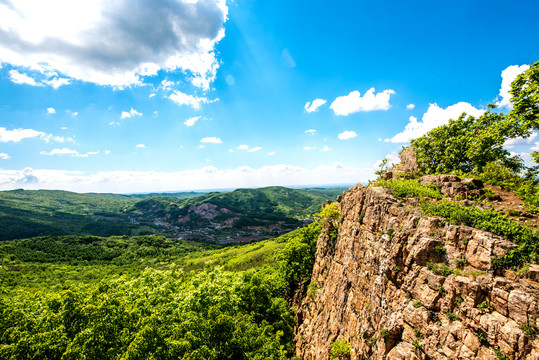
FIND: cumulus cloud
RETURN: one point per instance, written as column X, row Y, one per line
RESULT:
column 66, row 151
column 434, row 117
column 140, row 146
column 181, row 98
column 326, row 148
column 347, row 135
column 21, row 79
column 309, row 148
column 211, row 139
column 508, row 75
column 271, row 153
column 410, row 106
column 310, row 131
column 17, row 135
column 314, row 105
column 4, row 156
column 209, row 177
column 130, row 114
column 191, row 121
column 112, row 42
column 249, row 149
column 354, row 102
column 51, row 110
column 255, row 149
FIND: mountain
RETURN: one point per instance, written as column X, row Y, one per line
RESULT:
column 240, row 215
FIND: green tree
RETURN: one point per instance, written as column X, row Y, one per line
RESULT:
column 525, row 91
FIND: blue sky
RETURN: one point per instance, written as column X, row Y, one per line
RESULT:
column 135, row 96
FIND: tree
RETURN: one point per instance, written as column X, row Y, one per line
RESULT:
column 468, row 144
column 525, row 91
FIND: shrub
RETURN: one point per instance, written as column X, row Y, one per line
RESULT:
column 340, row 349
column 410, row 188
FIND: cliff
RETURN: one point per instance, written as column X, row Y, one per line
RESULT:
column 397, row 284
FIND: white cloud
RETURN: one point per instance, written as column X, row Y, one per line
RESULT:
column 21, row 79
column 310, row 131
column 434, row 117
column 410, row 106
column 208, row 177
column 151, row 95
column 255, row 149
column 309, row 148
column 107, row 152
column 111, row 42
column 314, row 105
column 17, row 135
column 55, row 83
column 271, row 153
column 66, row 151
column 4, row 156
column 243, row 147
column 508, row 75
column 347, row 135
column 185, row 99
column 51, row 110
column 511, row 143
column 326, row 148
column 114, row 123
column 73, row 113
column 140, row 146
column 211, row 139
column 191, row 121
column 130, row 114
column 353, row 102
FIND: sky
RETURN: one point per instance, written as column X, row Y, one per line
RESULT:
column 130, row 96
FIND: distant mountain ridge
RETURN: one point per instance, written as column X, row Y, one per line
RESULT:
column 242, row 213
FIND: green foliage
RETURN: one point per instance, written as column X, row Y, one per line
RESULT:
column 416, row 345
column 468, row 144
column 340, row 350
column 500, row 355
column 439, row 269
column 417, row 304
column 481, row 336
column 384, row 333
column 529, row 329
column 497, row 223
column 409, row 188
column 452, row 316
column 418, row 334
column 525, row 98
column 484, row 306
column 440, row 250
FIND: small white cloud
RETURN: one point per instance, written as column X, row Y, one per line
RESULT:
column 347, row 135
column 230, row 150
column 66, row 151
column 508, row 75
column 57, row 82
column 434, row 117
column 166, row 85
column 353, row 102
column 184, row 99
column 107, row 152
column 314, row 105
column 191, row 121
column 141, row 146
column 151, row 95
column 310, row 131
column 211, row 139
column 4, row 156
column 243, row 147
column 114, row 123
column 64, row 128
column 326, row 148
column 271, row 153
column 410, row 106
column 201, row 146
column 51, row 110
column 309, row 148
column 73, row 113
column 21, row 79
column 155, row 113
column 17, row 135
column 257, row 148
column 130, row 114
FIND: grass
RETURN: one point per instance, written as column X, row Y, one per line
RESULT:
column 409, row 188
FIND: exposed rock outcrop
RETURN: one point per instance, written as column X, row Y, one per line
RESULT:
column 397, row 284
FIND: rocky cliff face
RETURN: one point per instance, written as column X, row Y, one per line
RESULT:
column 397, row 284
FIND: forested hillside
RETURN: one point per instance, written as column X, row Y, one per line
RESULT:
column 241, row 213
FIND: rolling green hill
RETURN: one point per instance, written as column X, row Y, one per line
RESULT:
column 247, row 214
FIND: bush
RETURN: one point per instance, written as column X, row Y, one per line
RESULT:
column 410, row 188
column 340, row 349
